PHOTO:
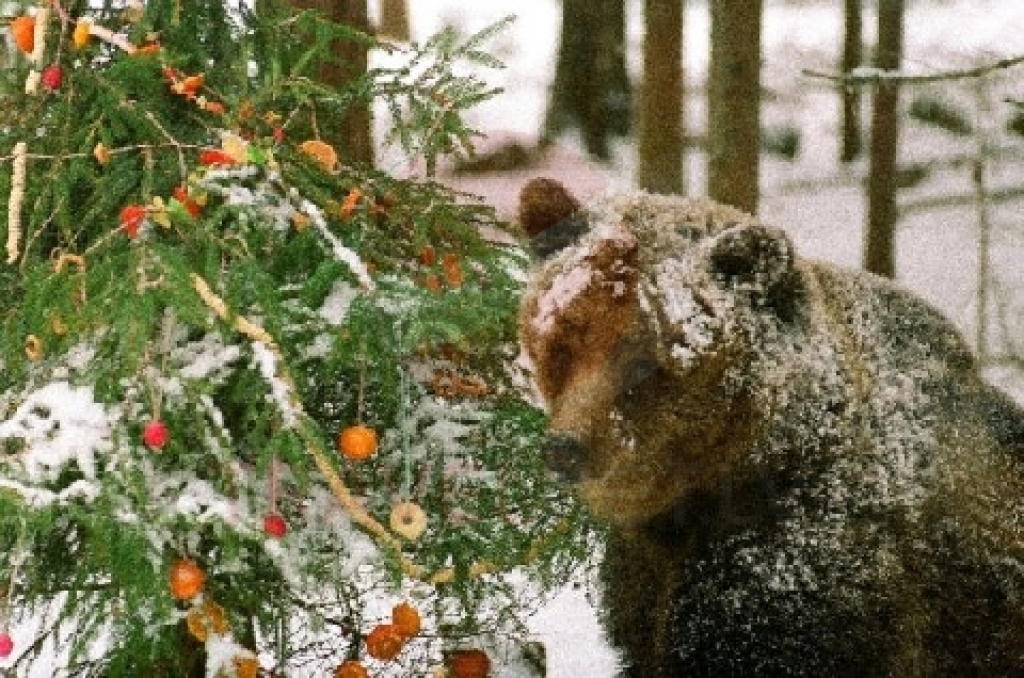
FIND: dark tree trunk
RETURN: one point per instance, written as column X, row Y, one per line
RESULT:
column 394, row 19
column 660, row 125
column 879, row 255
column 591, row 88
column 734, row 100
column 351, row 134
column 853, row 56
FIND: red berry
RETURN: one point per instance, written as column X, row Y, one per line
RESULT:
column 6, row 645
column 274, row 525
column 51, row 77
column 155, row 434
column 132, row 217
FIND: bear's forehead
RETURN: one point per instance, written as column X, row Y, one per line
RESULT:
column 663, row 221
column 662, row 227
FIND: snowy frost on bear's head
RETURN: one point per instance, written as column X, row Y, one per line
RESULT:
column 633, row 326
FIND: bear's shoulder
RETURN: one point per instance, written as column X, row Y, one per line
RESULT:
column 890, row 325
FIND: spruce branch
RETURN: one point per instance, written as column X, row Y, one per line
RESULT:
column 314, row 449
column 341, row 493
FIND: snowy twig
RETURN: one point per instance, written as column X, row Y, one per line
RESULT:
column 874, row 76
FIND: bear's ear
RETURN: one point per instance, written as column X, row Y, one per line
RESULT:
column 752, row 256
column 760, row 261
column 550, row 215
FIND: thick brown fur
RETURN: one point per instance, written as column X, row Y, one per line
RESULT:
column 801, row 468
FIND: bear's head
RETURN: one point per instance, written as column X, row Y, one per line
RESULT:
column 638, row 323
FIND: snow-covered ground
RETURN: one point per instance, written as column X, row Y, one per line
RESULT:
column 818, row 202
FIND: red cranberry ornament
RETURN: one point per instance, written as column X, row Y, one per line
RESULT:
column 155, row 434
column 6, row 645
column 51, row 77
column 274, row 525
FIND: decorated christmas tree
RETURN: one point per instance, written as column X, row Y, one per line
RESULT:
column 260, row 412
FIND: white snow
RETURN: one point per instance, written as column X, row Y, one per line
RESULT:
column 59, row 423
column 280, row 390
column 564, row 288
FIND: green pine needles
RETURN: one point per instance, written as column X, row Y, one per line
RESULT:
column 200, row 294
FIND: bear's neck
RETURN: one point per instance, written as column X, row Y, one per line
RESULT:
column 711, row 514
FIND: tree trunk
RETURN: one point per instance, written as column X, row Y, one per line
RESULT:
column 352, row 133
column 660, row 127
column 591, row 88
column 853, row 56
column 885, row 124
column 734, row 98
column 394, row 20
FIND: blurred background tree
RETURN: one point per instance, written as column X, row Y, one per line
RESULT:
column 591, row 91
column 660, row 130
column 734, row 103
column 851, row 57
column 879, row 238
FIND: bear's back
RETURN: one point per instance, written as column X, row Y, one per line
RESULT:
column 896, row 541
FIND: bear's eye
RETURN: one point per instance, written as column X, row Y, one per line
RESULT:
column 732, row 264
column 690, row 232
column 637, row 372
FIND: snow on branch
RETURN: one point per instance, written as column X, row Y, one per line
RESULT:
column 874, row 76
column 284, row 392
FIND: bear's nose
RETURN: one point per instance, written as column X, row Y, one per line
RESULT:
column 565, row 455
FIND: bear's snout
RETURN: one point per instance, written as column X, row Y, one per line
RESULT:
column 565, row 455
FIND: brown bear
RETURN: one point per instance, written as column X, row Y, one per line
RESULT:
column 801, row 470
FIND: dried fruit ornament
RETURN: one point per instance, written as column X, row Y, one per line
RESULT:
column 23, row 30
column 246, row 666
column 155, row 434
column 408, row 520
column 186, row 579
column 384, row 642
column 322, row 152
column 6, row 644
column 274, row 525
column 357, row 442
column 469, row 664
column 80, row 36
column 351, row 669
column 406, row 619
column 202, row 620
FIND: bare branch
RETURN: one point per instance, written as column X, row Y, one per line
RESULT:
column 874, row 76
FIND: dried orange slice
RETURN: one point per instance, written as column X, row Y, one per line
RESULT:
column 23, row 30
column 322, row 152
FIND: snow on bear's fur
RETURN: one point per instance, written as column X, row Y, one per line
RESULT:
column 802, row 471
